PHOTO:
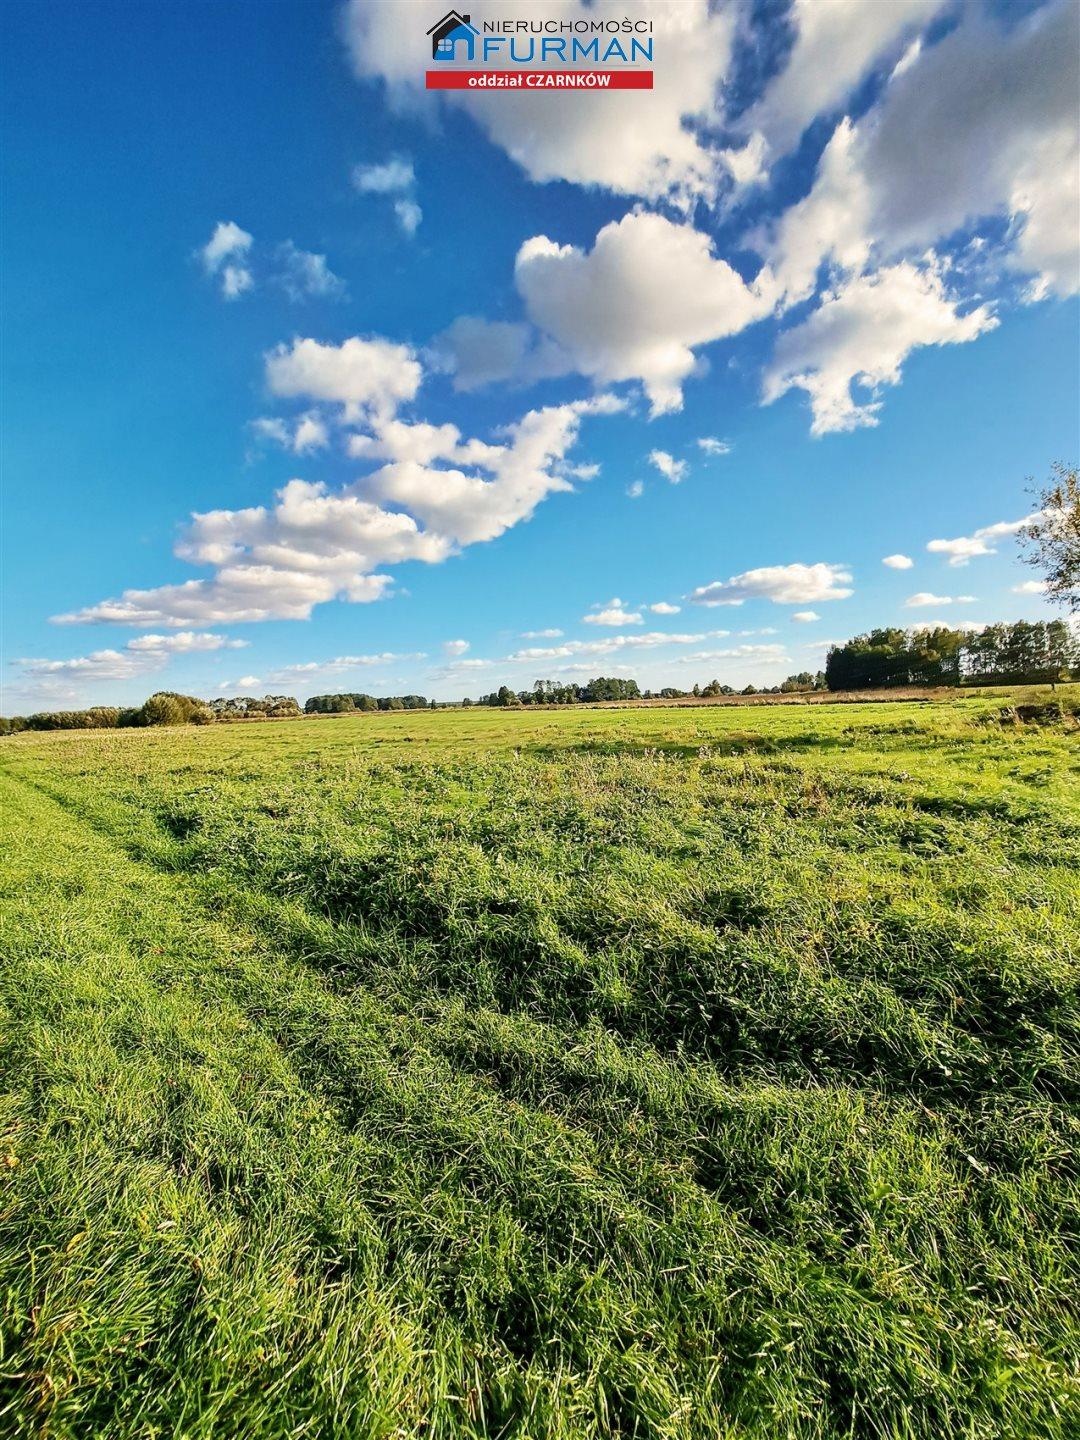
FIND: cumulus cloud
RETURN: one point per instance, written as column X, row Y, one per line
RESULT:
column 550, row 634
column 635, row 489
column 646, row 143
column 408, row 214
column 970, row 627
column 636, row 305
column 369, row 378
column 804, row 617
column 836, row 43
column 782, row 584
column 478, row 352
column 302, row 274
column 339, row 665
column 922, row 598
column 712, row 446
column 614, row 644
column 980, row 124
column 396, row 179
column 467, row 505
column 861, row 334
column 455, row 647
column 314, row 544
column 185, row 643
column 672, row 469
column 613, row 613
column 225, row 255
column 963, row 548
column 306, row 434
column 898, row 562
column 143, row 655
column 389, row 177
column 663, row 608
column 1030, row 587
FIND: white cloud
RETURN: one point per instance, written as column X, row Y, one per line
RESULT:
column 672, row 469
column 314, row 544
column 551, row 634
column 663, row 608
column 246, row 682
column 782, row 584
column 141, row 656
column 394, row 178
column 339, row 665
column 969, row 626
column 100, row 665
column 637, row 304
column 712, row 446
column 613, row 613
column 635, row 489
column 804, row 617
column 464, row 505
column 766, row 654
column 409, row 215
column 898, row 562
column 186, row 642
column 862, row 333
column 1030, row 587
column 277, row 563
column 613, row 644
column 964, row 547
column 836, row 44
column 304, row 274
column 922, row 598
column 369, row 378
column 455, row 647
column 981, row 124
column 307, row 434
column 645, row 143
column 225, row 255
column 478, row 352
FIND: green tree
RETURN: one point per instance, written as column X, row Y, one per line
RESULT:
column 1051, row 538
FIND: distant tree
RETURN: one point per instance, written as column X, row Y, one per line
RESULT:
column 166, row 707
column 1052, row 538
column 610, row 687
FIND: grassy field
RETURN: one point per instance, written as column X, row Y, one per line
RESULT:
column 658, row 1073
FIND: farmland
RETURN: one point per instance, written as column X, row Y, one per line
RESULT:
column 668, row 1073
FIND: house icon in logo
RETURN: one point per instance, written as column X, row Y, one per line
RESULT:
column 446, row 34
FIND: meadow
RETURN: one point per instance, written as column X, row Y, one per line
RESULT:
column 549, row 1075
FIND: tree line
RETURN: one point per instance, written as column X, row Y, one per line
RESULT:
column 344, row 703
column 164, row 707
column 1024, row 653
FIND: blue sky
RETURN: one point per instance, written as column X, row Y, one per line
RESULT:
column 243, row 250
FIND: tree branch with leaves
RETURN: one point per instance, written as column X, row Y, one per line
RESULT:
column 1051, row 538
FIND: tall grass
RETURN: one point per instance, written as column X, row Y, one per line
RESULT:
column 594, row 1074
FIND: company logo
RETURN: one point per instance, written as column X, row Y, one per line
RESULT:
column 450, row 32
column 598, row 54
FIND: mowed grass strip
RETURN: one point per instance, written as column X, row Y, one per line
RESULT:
column 654, row 1075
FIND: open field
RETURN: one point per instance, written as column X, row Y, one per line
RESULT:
column 674, row 1073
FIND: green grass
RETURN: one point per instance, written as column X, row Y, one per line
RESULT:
column 627, row 1073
